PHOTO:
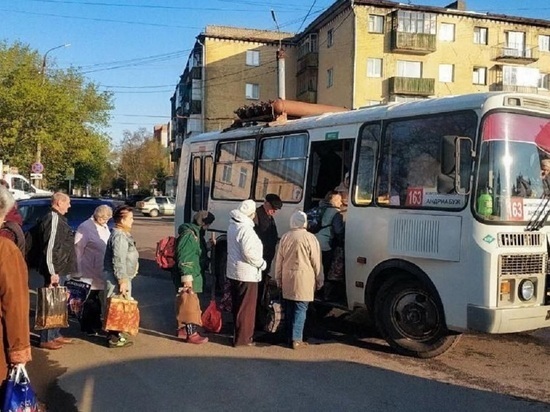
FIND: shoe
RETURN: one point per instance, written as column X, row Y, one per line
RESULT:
column 182, row 334
column 298, row 344
column 120, row 342
column 63, row 340
column 196, row 339
column 51, row 345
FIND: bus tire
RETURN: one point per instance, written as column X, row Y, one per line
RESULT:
column 411, row 319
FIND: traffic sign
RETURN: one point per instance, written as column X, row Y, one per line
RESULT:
column 37, row 167
column 36, row 176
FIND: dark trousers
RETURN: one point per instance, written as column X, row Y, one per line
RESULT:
column 243, row 296
column 90, row 320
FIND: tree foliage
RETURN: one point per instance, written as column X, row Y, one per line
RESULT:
column 56, row 109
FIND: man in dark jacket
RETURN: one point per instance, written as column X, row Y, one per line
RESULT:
column 266, row 229
column 57, row 257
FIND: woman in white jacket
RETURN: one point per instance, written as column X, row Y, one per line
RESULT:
column 244, row 270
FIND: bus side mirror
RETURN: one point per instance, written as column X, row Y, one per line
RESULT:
column 456, row 165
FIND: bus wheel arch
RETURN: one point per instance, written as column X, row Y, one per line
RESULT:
column 408, row 311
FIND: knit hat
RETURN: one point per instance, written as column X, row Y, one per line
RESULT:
column 298, row 220
column 247, row 207
column 203, row 217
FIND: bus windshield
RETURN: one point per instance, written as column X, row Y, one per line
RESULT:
column 512, row 178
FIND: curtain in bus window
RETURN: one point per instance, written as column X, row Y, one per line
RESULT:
column 196, row 203
column 411, row 173
column 281, row 167
column 207, row 181
column 368, row 150
column 233, row 171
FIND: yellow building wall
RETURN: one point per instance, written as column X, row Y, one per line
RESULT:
column 463, row 53
column 339, row 57
column 227, row 75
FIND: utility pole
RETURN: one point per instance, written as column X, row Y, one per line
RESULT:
column 280, row 63
column 38, row 157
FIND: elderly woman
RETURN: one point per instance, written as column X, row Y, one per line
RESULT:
column 120, row 265
column 90, row 242
column 298, row 273
column 244, row 270
column 332, row 203
column 191, row 258
column 14, row 298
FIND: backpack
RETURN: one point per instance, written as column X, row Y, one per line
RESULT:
column 315, row 219
column 166, row 252
column 32, row 247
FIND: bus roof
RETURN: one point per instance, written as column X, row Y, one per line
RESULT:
column 387, row 111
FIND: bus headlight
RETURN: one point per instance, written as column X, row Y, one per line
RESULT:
column 526, row 290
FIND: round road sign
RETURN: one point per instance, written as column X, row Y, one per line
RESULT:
column 37, row 167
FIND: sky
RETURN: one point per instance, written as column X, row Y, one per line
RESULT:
column 137, row 49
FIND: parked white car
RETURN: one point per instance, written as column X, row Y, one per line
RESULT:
column 157, row 205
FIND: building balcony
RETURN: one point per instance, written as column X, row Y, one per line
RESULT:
column 308, row 61
column 308, row 96
column 517, row 55
column 499, row 87
column 196, row 73
column 411, row 86
column 414, row 43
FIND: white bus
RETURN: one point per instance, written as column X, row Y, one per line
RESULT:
column 445, row 223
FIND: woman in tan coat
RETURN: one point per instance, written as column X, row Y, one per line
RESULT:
column 14, row 298
column 298, row 273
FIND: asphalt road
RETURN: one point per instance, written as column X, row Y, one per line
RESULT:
column 347, row 367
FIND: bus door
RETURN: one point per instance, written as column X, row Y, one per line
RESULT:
column 200, row 180
column 329, row 161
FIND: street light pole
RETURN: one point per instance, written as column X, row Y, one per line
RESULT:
column 38, row 157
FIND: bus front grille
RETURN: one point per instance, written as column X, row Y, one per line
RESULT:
column 520, row 239
column 522, row 264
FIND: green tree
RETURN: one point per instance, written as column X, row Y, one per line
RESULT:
column 59, row 110
column 142, row 159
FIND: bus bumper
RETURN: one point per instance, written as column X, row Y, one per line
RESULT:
column 507, row 320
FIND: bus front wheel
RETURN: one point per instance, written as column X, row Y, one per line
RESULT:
column 411, row 319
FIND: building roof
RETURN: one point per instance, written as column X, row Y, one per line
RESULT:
column 341, row 5
column 245, row 34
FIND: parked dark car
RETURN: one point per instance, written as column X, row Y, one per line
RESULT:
column 82, row 208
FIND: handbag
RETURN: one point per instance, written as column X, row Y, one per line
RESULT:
column 275, row 316
column 188, row 308
column 122, row 315
column 212, row 316
column 51, row 308
column 78, row 293
column 19, row 395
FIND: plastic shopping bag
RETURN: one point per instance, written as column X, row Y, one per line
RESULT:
column 122, row 315
column 19, row 395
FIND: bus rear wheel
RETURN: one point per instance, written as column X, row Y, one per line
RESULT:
column 411, row 319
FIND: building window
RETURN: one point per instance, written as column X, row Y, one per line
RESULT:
column 376, row 24
column 226, row 174
column 479, row 75
column 330, row 38
column 544, row 81
column 409, row 69
column 242, row 177
column 481, row 35
column 374, row 68
column 252, row 91
column 330, row 77
column 447, row 32
column 446, row 73
column 416, row 22
column 252, row 58
column 515, row 44
column 544, row 43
